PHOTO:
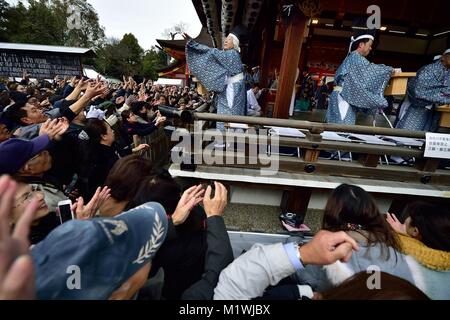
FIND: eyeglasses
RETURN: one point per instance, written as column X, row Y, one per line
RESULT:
column 27, row 197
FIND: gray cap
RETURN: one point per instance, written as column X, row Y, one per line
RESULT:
column 104, row 252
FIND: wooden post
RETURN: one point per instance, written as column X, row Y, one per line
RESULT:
column 296, row 201
column 370, row 160
column 289, row 64
column 268, row 43
column 428, row 165
column 312, row 155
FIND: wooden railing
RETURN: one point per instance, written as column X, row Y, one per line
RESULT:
column 371, row 162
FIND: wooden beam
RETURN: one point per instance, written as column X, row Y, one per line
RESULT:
column 296, row 201
column 324, row 145
column 332, row 168
column 305, row 125
column 289, row 64
column 268, row 43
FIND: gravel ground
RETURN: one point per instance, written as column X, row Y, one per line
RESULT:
column 254, row 218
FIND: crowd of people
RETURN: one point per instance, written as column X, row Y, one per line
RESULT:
column 74, row 139
column 142, row 222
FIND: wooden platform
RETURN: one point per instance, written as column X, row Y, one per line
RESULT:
column 398, row 84
column 445, row 117
column 237, row 175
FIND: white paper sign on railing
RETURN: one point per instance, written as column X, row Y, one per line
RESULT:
column 437, row 146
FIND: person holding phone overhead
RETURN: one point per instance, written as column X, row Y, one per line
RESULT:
column 220, row 71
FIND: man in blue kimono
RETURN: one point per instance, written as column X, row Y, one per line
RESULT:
column 428, row 90
column 220, row 71
column 360, row 84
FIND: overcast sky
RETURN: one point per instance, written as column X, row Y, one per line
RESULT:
column 146, row 19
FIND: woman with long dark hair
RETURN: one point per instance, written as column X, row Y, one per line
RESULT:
column 353, row 210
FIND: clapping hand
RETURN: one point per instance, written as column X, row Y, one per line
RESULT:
column 95, row 90
column 87, row 212
column 55, row 128
column 191, row 198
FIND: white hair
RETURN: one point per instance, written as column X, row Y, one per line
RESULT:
column 235, row 42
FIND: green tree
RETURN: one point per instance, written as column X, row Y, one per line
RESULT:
column 90, row 34
column 39, row 25
column 45, row 22
column 153, row 60
column 4, row 8
column 120, row 57
column 130, row 42
column 13, row 22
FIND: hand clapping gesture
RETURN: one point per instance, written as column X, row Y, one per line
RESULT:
column 191, row 198
column 55, row 128
column 95, row 90
column 87, row 212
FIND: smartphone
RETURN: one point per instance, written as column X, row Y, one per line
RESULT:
column 65, row 211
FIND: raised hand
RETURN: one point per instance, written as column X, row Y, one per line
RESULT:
column 395, row 223
column 95, row 90
column 131, row 99
column 140, row 148
column 160, row 121
column 73, row 81
column 61, row 128
column 215, row 206
column 16, row 265
column 83, row 84
column 186, row 36
column 25, row 75
column 87, row 212
column 191, row 198
column 49, row 128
